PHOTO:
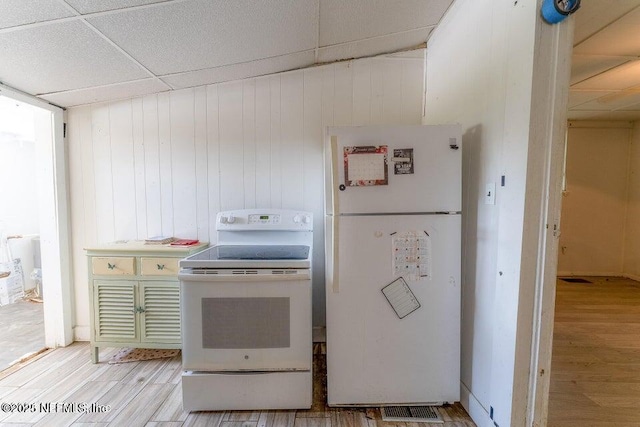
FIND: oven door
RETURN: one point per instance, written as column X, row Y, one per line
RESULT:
column 246, row 320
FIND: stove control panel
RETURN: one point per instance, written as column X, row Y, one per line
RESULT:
column 264, row 219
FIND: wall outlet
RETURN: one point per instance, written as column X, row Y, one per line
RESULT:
column 490, row 194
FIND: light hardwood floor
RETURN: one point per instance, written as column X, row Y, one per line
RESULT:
column 595, row 370
column 149, row 394
column 21, row 330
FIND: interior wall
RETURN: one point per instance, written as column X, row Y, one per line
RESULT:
column 167, row 163
column 480, row 73
column 594, row 205
column 631, row 262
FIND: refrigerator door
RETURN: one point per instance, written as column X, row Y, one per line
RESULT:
column 422, row 171
column 374, row 356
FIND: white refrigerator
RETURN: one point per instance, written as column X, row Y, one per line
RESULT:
column 393, row 219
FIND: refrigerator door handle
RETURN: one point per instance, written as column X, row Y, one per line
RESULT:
column 334, row 176
column 336, row 228
column 335, row 210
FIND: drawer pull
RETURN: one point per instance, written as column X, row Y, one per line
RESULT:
column 111, row 266
column 139, row 310
column 160, row 266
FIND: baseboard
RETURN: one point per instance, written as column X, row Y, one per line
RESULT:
column 632, row 277
column 81, row 333
column 588, row 273
column 476, row 411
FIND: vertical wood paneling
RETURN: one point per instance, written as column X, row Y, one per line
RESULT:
column 83, row 122
column 151, row 140
column 362, row 93
column 213, row 153
column 100, row 121
column 312, row 178
column 291, row 137
column 164, row 150
column 122, row 170
column 263, row 142
column 201, row 161
column 168, row 163
column 377, row 90
column 276, row 160
column 343, row 93
column 183, row 163
column 392, row 86
column 137, row 117
column 249, row 141
column 231, row 146
column 79, row 125
column 412, row 89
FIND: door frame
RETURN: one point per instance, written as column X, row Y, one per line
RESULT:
column 551, row 76
column 53, row 196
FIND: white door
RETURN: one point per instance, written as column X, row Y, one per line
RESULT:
column 422, row 172
column 374, row 356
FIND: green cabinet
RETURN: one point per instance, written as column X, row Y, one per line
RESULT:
column 135, row 295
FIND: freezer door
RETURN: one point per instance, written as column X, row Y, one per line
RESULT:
column 374, row 356
column 422, row 172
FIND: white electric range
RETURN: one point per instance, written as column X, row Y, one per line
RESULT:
column 246, row 314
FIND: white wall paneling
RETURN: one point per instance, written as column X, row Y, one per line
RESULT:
column 500, row 82
column 167, row 163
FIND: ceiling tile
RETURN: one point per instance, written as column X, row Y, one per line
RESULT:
column 62, row 56
column 20, row 12
column 622, row 77
column 241, row 71
column 577, row 98
column 375, row 46
column 106, row 93
column 586, row 66
column 89, row 6
column 596, row 14
column 624, row 100
column 583, row 115
column 605, row 115
column 344, row 21
column 199, row 34
column 620, row 39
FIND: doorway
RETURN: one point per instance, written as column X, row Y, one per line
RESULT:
column 21, row 308
column 595, row 349
column 53, row 218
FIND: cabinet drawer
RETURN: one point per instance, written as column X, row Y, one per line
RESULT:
column 159, row 266
column 113, row 266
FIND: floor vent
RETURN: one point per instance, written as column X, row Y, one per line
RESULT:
column 574, row 280
column 416, row 414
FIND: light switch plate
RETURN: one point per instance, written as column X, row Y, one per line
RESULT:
column 490, row 194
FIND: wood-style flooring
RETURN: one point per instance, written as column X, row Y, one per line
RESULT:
column 21, row 331
column 595, row 370
column 149, row 394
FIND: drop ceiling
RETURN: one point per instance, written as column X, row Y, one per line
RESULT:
column 73, row 52
column 605, row 71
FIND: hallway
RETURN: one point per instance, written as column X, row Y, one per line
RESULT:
column 595, row 370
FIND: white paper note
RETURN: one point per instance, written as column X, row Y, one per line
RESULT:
column 412, row 255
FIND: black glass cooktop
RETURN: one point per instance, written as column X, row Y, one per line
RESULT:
column 253, row 252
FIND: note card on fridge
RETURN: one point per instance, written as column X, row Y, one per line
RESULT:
column 399, row 295
column 412, row 255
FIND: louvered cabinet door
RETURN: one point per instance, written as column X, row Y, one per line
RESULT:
column 114, row 311
column 160, row 318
